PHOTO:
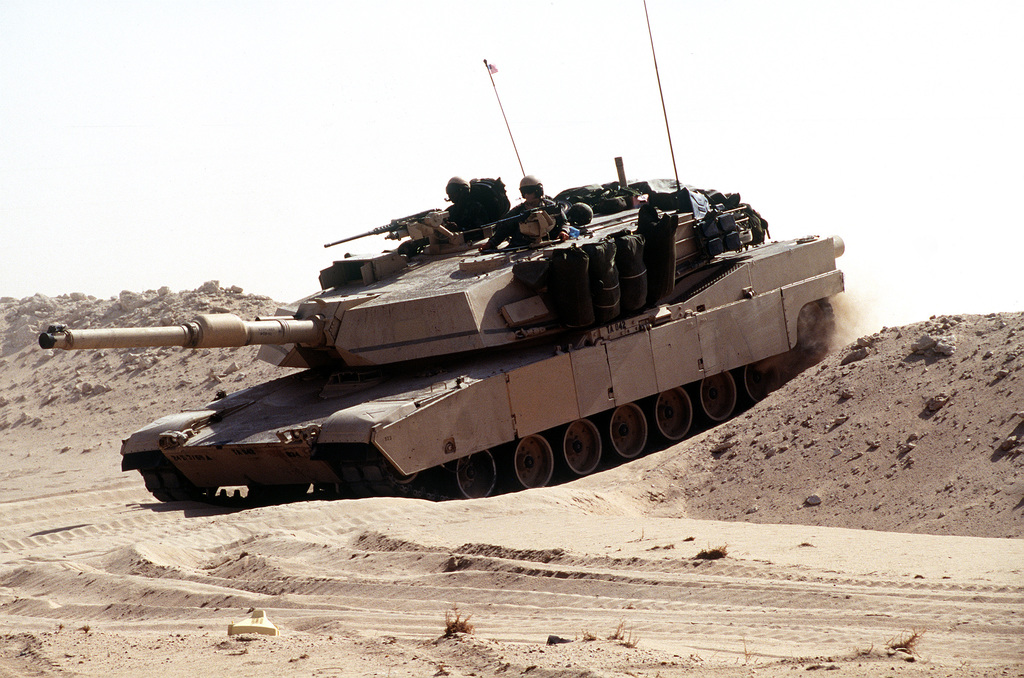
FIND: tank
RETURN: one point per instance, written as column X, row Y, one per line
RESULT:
column 437, row 370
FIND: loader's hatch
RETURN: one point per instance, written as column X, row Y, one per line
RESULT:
column 362, row 270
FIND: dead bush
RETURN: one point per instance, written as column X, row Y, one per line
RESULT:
column 712, row 554
column 454, row 622
column 906, row 641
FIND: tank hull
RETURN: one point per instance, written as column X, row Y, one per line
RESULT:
column 383, row 430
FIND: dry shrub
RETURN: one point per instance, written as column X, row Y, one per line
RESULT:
column 630, row 640
column 713, row 554
column 588, row 636
column 624, row 636
column 906, row 641
column 454, row 622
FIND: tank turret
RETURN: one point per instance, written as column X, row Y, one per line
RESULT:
column 437, row 369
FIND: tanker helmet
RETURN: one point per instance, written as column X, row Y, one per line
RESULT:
column 531, row 183
column 457, row 186
column 580, row 214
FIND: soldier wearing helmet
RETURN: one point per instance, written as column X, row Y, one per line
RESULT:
column 532, row 191
column 465, row 212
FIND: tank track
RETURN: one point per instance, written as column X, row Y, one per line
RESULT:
column 369, row 478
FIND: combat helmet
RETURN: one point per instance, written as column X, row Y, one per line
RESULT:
column 456, row 186
column 530, row 181
column 580, row 214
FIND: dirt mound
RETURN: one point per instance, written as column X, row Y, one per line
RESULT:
column 911, row 429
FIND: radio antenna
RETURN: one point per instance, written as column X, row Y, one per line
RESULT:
column 491, row 70
column 664, row 111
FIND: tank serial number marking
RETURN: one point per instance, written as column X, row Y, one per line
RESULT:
column 190, row 457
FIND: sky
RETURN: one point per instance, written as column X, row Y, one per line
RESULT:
column 168, row 143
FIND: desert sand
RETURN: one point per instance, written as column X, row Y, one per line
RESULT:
column 876, row 500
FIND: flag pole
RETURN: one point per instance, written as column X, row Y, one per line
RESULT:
column 664, row 111
column 490, row 74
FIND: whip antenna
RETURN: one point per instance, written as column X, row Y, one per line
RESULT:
column 491, row 70
column 660, row 93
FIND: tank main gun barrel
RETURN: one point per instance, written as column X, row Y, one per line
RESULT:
column 216, row 330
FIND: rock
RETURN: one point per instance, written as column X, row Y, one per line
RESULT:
column 812, row 500
column 923, row 344
column 855, row 355
column 721, row 447
column 209, row 287
column 945, row 345
column 129, row 301
column 936, row 402
column 557, row 640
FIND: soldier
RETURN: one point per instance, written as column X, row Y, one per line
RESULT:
column 533, row 198
column 465, row 212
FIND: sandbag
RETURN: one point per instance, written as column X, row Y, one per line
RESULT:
column 604, row 280
column 629, row 260
column 659, row 255
column 569, row 286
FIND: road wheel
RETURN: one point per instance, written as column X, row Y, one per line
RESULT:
column 534, row 461
column 475, row 475
column 761, row 378
column 627, row 430
column 581, row 447
column 718, row 396
column 673, row 413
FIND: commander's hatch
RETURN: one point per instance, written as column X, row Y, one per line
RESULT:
column 362, row 270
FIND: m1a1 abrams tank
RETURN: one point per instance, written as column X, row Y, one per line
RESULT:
column 441, row 371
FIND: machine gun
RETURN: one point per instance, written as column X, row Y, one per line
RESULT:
column 396, row 230
column 533, row 223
